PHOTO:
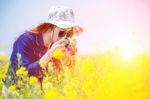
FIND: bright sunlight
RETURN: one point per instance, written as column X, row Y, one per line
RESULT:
column 128, row 48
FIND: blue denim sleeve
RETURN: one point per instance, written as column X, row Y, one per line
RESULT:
column 25, row 49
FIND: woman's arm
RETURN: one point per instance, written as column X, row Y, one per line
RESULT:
column 48, row 55
column 25, row 49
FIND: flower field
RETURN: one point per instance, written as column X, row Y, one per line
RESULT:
column 94, row 76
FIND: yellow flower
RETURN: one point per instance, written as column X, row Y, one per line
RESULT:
column 58, row 54
column 50, row 66
column 32, row 80
column 42, row 64
column 39, row 92
column 29, row 94
column 73, row 41
column 61, row 97
column 12, row 88
column 25, row 73
column 22, row 71
column 60, row 76
column 51, row 94
column 19, row 82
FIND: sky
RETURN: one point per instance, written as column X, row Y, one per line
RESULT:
column 106, row 23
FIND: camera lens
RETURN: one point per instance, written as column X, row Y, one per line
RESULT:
column 68, row 42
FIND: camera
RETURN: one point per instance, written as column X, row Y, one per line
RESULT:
column 70, row 42
column 67, row 43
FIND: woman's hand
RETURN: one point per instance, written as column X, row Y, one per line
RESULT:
column 60, row 44
column 71, row 50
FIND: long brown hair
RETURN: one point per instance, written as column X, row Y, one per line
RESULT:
column 41, row 28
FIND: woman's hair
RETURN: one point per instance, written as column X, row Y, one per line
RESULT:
column 41, row 28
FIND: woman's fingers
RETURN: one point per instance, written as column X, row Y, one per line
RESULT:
column 59, row 44
column 62, row 41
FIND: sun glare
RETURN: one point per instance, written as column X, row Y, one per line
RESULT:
column 129, row 52
column 129, row 48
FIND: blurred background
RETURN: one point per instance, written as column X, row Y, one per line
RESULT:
column 107, row 24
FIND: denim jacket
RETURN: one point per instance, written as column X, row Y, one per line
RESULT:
column 27, row 50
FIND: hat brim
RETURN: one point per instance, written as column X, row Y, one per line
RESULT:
column 67, row 24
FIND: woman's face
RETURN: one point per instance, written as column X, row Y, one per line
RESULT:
column 59, row 33
column 55, row 34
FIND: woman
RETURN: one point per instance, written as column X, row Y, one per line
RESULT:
column 39, row 43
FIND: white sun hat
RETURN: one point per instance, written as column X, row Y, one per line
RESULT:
column 63, row 17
